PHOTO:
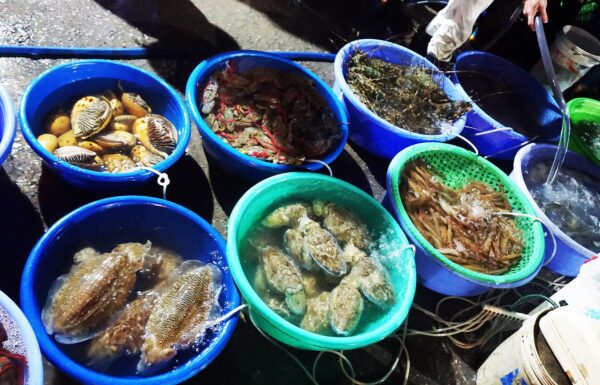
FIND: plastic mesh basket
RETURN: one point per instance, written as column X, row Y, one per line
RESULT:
column 580, row 110
column 457, row 168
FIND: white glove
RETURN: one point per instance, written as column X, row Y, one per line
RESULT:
column 452, row 26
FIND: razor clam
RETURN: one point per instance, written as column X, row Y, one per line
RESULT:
column 90, row 116
column 83, row 300
column 144, row 157
column 80, row 157
column 284, row 277
column 322, row 247
column 156, row 133
column 316, row 319
column 118, row 163
column 123, row 122
column 346, row 306
column 133, row 103
column 374, row 282
column 125, row 334
column 180, row 316
column 115, row 140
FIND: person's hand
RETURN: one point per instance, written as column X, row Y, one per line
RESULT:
column 531, row 8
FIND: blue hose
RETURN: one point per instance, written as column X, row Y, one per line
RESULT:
column 38, row 52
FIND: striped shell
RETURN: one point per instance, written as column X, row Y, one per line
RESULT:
column 90, row 119
column 78, row 156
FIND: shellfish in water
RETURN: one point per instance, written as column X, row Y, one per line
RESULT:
column 181, row 314
column 89, row 116
column 322, row 246
column 134, row 103
column 284, row 277
column 345, row 226
column 144, row 157
column 82, row 301
column 316, row 319
column 156, row 133
column 288, row 215
column 80, row 157
column 118, row 163
column 346, row 306
column 374, row 282
column 115, row 140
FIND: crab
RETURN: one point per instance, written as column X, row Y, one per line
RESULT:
column 12, row 366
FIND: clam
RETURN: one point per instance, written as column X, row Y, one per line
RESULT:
column 115, row 104
column 156, row 133
column 48, row 141
column 346, row 306
column 374, row 282
column 67, row 139
column 89, row 116
column 316, row 319
column 322, row 247
column 144, row 157
column 180, row 316
column 344, row 225
column 115, row 140
column 83, row 300
column 284, row 277
column 133, row 103
column 118, row 163
column 80, row 157
column 287, row 215
column 122, row 122
column 59, row 124
column 293, row 241
column 89, row 145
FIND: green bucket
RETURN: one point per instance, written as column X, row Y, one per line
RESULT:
column 299, row 186
column 582, row 110
column 459, row 167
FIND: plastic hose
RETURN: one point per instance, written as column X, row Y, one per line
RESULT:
column 40, row 52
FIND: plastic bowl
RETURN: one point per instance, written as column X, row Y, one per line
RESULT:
column 103, row 224
column 367, row 129
column 504, row 144
column 34, row 371
column 229, row 158
column 8, row 126
column 65, row 83
column 277, row 190
column 582, row 110
column 570, row 255
column 459, row 167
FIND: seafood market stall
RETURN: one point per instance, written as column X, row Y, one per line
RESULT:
column 195, row 191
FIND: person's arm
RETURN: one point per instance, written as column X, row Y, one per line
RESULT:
column 531, row 8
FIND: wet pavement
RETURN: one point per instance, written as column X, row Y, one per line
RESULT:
column 33, row 198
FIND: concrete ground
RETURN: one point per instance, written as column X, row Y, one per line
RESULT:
column 33, row 198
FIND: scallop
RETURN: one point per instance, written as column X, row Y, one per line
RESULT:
column 123, row 122
column 80, row 157
column 115, row 140
column 89, row 116
column 156, row 133
column 48, row 141
column 118, row 163
column 144, row 157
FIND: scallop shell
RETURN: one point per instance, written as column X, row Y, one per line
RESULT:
column 80, row 157
column 115, row 104
column 115, row 140
column 156, row 133
column 134, row 103
column 90, row 116
column 181, row 314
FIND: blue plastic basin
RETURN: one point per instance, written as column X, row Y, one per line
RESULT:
column 366, row 128
column 570, row 255
column 505, row 144
column 103, row 224
column 7, row 124
column 228, row 157
column 62, row 85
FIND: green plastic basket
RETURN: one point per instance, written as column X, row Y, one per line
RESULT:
column 459, row 167
column 300, row 186
column 583, row 109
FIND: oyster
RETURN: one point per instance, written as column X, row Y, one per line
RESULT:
column 313, row 283
column 82, row 301
column 123, row 122
column 124, row 334
column 353, row 254
column 345, row 226
column 374, row 282
column 144, row 157
column 288, row 215
column 80, row 157
column 89, row 116
column 284, row 277
column 322, row 247
column 180, row 316
column 346, row 306
column 316, row 319
column 118, row 163
column 156, row 133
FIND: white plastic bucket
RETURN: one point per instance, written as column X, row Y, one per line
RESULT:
column 574, row 52
column 516, row 360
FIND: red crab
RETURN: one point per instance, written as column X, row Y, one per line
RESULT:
column 12, row 366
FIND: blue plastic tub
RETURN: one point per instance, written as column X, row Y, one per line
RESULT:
column 228, row 157
column 505, row 144
column 63, row 84
column 103, row 224
column 366, row 128
column 7, row 124
column 570, row 255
